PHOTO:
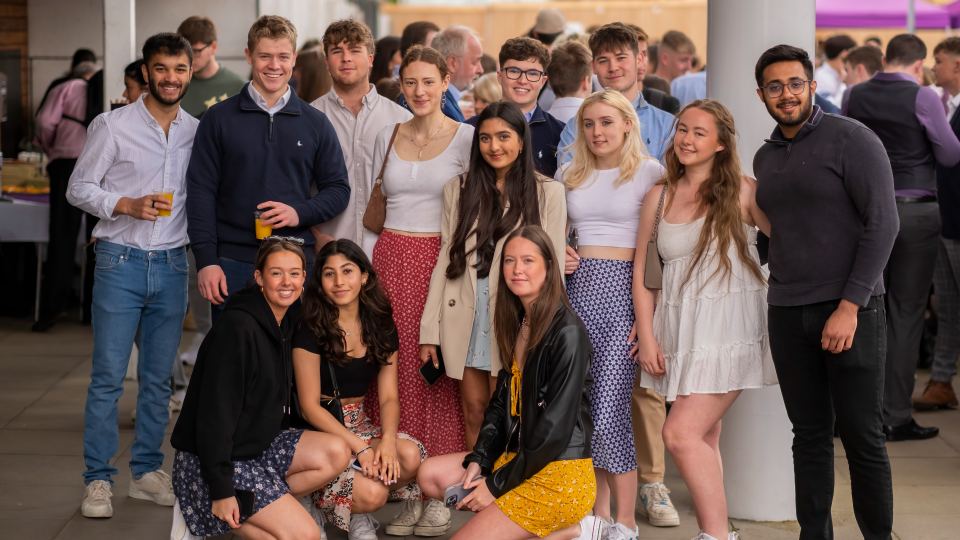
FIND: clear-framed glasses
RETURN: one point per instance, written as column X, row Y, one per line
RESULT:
column 292, row 239
column 513, row 73
column 775, row 89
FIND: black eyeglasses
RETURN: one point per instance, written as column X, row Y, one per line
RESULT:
column 201, row 49
column 775, row 89
column 513, row 73
column 292, row 239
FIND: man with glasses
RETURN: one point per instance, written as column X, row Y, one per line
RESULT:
column 523, row 64
column 825, row 183
column 212, row 83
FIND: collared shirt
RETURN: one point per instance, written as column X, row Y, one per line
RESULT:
column 656, row 129
column 262, row 102
column 61, row 132
column 829, row 84
column 455, row 92
column 357, row 135
column 529, row 114
column 952, row 103
column 689, row 87
column 565, row 108
column 128, row 155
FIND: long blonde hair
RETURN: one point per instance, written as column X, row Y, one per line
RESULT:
column 632, row 153
column 719, row 195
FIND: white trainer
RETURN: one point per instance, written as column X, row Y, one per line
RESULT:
column 153, row 486
column 96, row 500
column 403, row 523
column 654, row 503
column 592, row 528
column 619, row 531
column 435, row 520
column 362, row 527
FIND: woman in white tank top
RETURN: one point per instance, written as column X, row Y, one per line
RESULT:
column 707, row 338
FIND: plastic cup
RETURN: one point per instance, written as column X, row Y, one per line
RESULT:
column 261, row 229
column 167, row 196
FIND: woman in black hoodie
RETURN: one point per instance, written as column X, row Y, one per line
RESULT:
column 237, row 466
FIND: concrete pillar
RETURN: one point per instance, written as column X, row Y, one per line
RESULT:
column 756, row 440
column 119, row 45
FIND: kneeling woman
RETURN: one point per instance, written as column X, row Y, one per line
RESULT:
column 534, row 444
column 236, row 466
column 347, row 342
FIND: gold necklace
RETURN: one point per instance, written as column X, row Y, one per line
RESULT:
column 421, row 147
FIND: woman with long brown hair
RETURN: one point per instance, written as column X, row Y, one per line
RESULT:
column 500, row 192
column 530, row 473
column 707, row 338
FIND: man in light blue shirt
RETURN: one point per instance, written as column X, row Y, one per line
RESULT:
column 131, row 175
column 689, row 87
column 616, row 62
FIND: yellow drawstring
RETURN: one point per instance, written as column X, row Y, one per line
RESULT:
column 515, row 389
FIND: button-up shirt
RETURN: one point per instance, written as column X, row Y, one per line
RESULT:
column 357, row 135
column 128, row 155
column 262, row 102
column 952, row 103
column 60, row 130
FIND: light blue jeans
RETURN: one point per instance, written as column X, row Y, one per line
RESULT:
column 138, row 296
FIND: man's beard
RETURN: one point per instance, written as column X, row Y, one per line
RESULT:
column 155, row 92
column 804, row 111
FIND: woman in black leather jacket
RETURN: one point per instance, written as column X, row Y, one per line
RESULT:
column 532, row 457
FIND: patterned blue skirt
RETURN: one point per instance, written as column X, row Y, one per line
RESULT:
column 264, row 475
column 600, row 293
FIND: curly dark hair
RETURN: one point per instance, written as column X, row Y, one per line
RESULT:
column 320, row 315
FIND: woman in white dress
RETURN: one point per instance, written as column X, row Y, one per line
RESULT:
column 707, row 338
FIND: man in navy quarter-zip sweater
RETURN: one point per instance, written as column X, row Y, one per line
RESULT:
column 265, row 150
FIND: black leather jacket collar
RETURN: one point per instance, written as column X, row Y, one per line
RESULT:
column 555, row 422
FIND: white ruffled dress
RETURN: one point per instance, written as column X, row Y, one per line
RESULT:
column 712, row 330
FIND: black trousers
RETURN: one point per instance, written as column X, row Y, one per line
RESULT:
column 819, row 387
column 59, row 270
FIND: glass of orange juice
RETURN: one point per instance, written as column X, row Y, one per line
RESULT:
column 167, row 196
column 261, row 228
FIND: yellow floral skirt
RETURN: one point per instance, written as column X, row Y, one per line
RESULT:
column 557, row 497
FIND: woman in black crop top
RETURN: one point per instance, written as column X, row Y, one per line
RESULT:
column 348, row 326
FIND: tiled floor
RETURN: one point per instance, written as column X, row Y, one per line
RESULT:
column 43, row 382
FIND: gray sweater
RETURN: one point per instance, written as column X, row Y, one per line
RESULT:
column 828, row 193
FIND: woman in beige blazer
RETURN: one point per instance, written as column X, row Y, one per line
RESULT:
column 500, row 192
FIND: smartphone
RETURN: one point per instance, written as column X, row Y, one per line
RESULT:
column 429, row 372
column 355, row 465
column 454, row 494
column 573, row 239
column 245, row 500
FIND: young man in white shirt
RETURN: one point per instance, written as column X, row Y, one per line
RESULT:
column 130, row 174
column 571, row 77
column 358, row 114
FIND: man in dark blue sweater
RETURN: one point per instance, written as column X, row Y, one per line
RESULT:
column 263, row 150
column 825, row 183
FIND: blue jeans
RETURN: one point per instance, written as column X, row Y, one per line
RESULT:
column 137, row 296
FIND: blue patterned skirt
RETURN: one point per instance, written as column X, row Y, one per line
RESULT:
column 264, row 475
column 600, row 292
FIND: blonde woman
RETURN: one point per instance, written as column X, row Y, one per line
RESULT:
column 486, row 91
column 606, row 181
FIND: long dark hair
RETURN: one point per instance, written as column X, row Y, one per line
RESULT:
column 481, row 202
column 320, row 315
column 510, row 312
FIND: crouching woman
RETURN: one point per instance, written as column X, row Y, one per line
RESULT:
column 237, row 467
column 530, row 472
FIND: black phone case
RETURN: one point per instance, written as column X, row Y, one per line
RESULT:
column 430, row 373
column 245, row 502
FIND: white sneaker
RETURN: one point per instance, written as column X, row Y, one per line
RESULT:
column 362, row 527
column 654, row 503
column 154, row 486
column 592, row 528
column 619, row 531
column 403, row 523
column 435, row 520
column 96, row 500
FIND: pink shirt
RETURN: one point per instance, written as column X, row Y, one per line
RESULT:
column 61, row 137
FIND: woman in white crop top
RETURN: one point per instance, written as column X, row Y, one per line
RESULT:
column 707, row 338
column 428, row 150
column 606, row 181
